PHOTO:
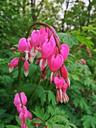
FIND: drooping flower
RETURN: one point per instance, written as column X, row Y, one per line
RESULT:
column 22, row 45
column 13, row 63
column 48, row 48
column 64, row 50
column 38, row 37
column 20, row 100
column 17, row 100
column 61, row 87
column 26, row 68
column 55, row 62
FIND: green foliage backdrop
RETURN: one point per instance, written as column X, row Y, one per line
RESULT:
column 77, row 27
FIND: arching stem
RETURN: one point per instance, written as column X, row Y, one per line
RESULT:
column 50, row 28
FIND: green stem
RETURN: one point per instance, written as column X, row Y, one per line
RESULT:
column 19, row 76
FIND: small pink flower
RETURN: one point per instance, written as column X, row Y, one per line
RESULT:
column 55, row 62
column 38, row 37
column 17, row 100
column 23, row 45
column 44, row 32
column 61, row 87
column 13, row 64
column 48, row 48
column 26, row 68
column 64, row 50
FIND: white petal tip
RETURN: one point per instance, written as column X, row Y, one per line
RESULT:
column 10, row 70
column 26, row 73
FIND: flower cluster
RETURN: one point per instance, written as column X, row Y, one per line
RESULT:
column 20, row 101
column 43, row 45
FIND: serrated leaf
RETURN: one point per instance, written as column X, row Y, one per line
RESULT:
column 51, row 98
column 11, row 126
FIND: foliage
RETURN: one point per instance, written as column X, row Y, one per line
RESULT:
column 80, row 112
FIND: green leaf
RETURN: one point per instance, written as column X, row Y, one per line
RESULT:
column 68, row 38
column 51, row 97
column 11, row 126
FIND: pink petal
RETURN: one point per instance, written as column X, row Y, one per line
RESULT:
column 13, row 64
column 17, row 100
column 48, row 48
column 64, row 50
column 59, row 82
column 55, row 62
column 64, row 72
column 23, row 45
column 35, row 38
column 26, row 66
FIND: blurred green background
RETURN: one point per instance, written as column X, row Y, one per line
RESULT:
column 75, row 23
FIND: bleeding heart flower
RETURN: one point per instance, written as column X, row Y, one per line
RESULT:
column 61, row 87
column 38, row 37
column 20, row 101
column 23, row 45
column 17, row 100
column 64, row 50
column 26, row 68
column 48, row 48
column 55, row 62
column 13, row 64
